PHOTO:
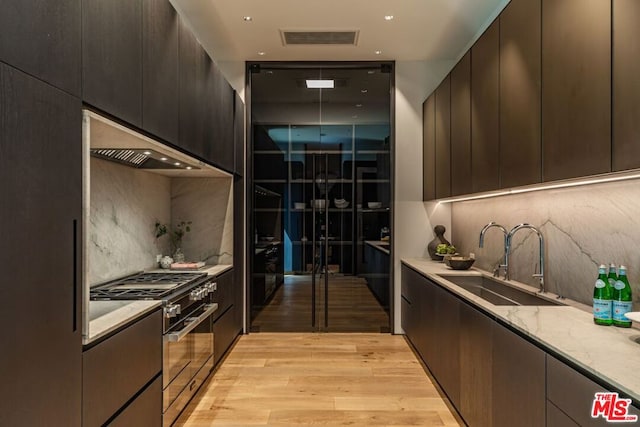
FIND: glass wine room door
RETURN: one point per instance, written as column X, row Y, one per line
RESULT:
column 321, row 210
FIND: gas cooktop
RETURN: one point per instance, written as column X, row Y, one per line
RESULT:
column 144, row 286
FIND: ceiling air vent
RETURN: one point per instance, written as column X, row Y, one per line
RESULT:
column 319, row 37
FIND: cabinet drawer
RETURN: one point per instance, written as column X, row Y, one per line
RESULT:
column 119, row 367
column 224, row 332
column 573, row 393
column 146, row 410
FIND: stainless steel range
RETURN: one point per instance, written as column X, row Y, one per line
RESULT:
column 187, row 330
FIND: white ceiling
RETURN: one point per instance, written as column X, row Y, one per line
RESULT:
column 420, row 30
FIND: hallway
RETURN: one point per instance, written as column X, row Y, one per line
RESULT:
column 276, row 379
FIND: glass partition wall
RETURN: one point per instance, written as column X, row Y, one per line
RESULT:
column 321, row 208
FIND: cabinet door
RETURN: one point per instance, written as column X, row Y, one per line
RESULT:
column 557, row 418
column 476, row 353
column 429, row 148
column 222, row 142
column 461, row 127
column 520, row 91
column 238, row 136
column 112, row 57
column 518, row 375
column 443, row 139
column 576, row 95
column 145, row 410
column 192, row 73
column 626, row 85
column 41, row 212
column 485, row 131
column 225, row 332
column 160, row 69
column 573, row 393
column 412, row 309
column 42, row 38
column 224, row 294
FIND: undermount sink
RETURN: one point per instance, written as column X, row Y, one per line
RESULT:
column 496, row 292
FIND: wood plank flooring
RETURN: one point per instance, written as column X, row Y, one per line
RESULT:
column 298, row 379
column 352, row 307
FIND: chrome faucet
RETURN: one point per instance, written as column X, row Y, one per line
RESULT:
column 513, row 231
column 505, row 263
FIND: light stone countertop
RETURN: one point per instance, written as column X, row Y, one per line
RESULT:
column 107, row 316
column 609, row 353
column 380, row 245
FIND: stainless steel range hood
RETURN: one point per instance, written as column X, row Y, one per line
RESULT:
column 107, row 140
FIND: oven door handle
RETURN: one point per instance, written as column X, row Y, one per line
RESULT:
column 193, row 323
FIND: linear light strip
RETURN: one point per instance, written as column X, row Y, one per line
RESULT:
column 622, row 176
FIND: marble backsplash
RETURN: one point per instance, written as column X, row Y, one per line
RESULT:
column 125, row 204
column 208, row 204
column 582, row 227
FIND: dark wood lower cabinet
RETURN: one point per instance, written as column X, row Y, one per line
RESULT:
column 225, row 331
column 476, row 350
column 518, row 380
column 491, row 374
column 146, row 410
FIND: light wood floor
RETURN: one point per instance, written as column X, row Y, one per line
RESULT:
column 352, row 307
column 297, row 379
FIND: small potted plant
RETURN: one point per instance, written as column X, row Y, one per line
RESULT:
column 175, row 236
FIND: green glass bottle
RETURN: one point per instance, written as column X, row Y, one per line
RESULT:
column 602, row 298
column 622, row 299
column 612, row 277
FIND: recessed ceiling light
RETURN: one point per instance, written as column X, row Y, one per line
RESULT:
column 164, row 159
column 189, row 167
column 364, row 90
column 177, row 163
column 388, row 17
column 261, row 53
column 249, row 19
column 320, row 84
column 147, row 153
column 378, row 52
column 371, row 72
column 358, row 105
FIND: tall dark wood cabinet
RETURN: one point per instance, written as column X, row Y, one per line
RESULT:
column 461, row 127
column 41, row 213
column 112, row 57
column 443, row 139
column 485, row 131
column 160, row 69
column 626, row 85
column 520, row 91
column 576, row 94
column 42, row 38
column 429, row 148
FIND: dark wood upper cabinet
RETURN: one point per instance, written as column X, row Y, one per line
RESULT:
column 443, row 139
column 42, row 38
column 429, row 148
column 192, row 71
column 576, row 91
column 461, row 127
column 520, row 91
column 112, row 57
column 238, row 136
column 485, row 130
column 41, row 187
column 626, row 85
column 220, row 138
column 160, row 69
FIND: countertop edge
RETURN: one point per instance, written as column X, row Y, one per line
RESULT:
column 380, row 245
column 119, row 317
column 566, row 331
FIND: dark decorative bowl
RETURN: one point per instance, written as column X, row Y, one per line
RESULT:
column 459, row 262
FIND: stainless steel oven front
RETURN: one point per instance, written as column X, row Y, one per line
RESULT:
column 187, row 354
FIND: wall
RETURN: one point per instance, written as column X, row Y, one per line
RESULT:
column 582, row 226
column 208, row 203
column 125, row 204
